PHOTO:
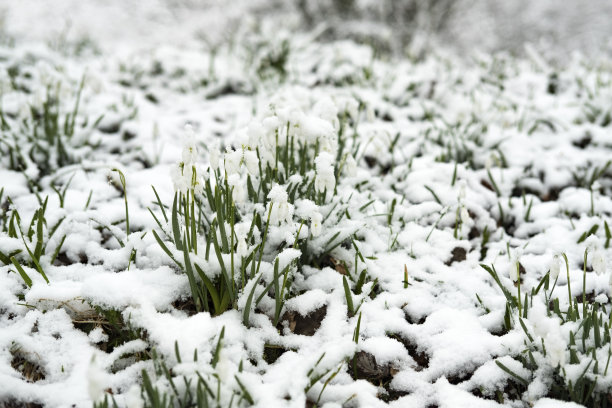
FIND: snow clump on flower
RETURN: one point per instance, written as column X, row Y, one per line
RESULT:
column 184, row 174
column 239, row 193
column 281, row 211
column 325, row 180
column 232, row 160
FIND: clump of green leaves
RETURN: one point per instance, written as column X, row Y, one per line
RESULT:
column 218, row 227
column 32, row 244
column 588, row 349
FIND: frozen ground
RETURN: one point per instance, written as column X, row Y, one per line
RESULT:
column 427, row 232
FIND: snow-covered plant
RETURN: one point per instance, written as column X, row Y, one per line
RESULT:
column 49, row 119
column 29, row 250
column 42, row 135
column 193, row 383
column 567, row 349
column 241, row 228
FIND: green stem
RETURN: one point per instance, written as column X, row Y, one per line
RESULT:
column 518, row 280
column 584, row 305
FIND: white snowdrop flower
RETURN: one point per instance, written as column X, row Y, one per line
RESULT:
column 351, row 166
column 489, row 163
column 325, row 179
column 96, row 380
column 197, row 183
column 326, row 109
column 325, row 182
column 239, row 193
column 242, row 248
column 555, row 267
column 328, row 145
column 251, row 161
column 232, row 161
column 190, row 150
column 271, row 123
column 255, row 133
column 514, row 272
column 295, row 117
column 284, row 114
column 242, row 229
column 180, row 181
column 316, row 220
column 133, row 398
column 514, row 266
column 464, row 214
column 282, row 211
column 214, row 156
column 596, row 186
column 189, row 178
column 598, row 262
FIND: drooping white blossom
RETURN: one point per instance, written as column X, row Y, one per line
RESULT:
column 555, row 267
column 190, row 150
column 232, row 160
column 350, row 166
column 242, row 229
column 326, row 109
column 514, row 266
column 282, row 211
column 214, row 156
column 271, row 123
column 239, row 193
column 180, row 178
column 316, row 220
column 325, row 179
column 464, row 214
column 251, row 161
column 256, row 134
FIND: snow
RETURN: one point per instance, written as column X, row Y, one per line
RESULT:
column 427, row 142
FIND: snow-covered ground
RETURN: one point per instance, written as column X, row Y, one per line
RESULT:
column 226, row 211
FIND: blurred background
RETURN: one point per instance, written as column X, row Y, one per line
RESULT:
column 555, row 28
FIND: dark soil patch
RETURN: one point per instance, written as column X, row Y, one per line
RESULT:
column 392, row 394
column 420, row 357
column 272, row 353
column 458, row 254
column 25, row 363
column 305, row 325
column 363, row 366
column 13, row 403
